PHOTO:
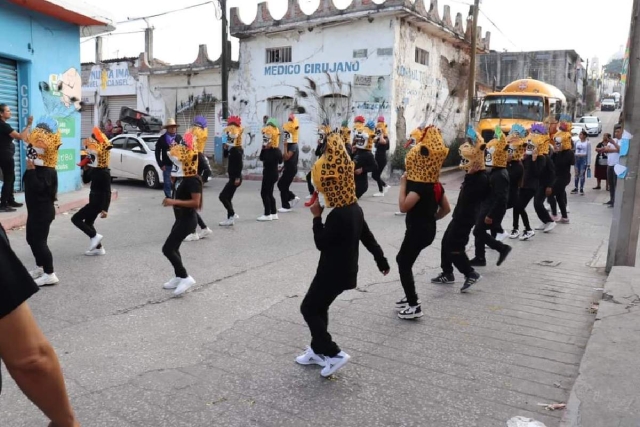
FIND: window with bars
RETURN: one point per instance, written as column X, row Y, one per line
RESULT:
column 279, row 55
column 360, row 53
column 422, row 56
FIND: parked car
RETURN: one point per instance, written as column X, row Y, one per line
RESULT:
column 591, row 124
column 608, row 105
column 133, row 157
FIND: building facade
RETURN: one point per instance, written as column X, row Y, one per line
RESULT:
column 40, row 73
column 396, row 60
column 560, row 68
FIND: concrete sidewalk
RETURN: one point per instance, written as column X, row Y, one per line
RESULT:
column 607, row 390
column 65, row 203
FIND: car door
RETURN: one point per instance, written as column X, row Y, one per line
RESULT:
column 118, row 144
column 134, row 158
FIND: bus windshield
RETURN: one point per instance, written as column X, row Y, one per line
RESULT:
column 513, row 107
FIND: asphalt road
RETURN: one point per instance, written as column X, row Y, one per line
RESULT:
column 223, row 354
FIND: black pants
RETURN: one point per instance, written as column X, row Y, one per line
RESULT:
column 310, row 186
column 7, row 166
column 171, row 249
column 201, row 223
column 85, row 218
column 204, row 169
column 612, row 180
column 284, row 185
column 538, row 205
column 226, row 196
column 377, row 175
column 315, row 310
column 266, row 192
column 559, row 199
column 482, row 238
column 39, row 221
column 524, row 198
column 415, row 240
column 362, row 185
column 453, row 251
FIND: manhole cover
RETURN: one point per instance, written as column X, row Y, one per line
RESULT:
column 548, row 263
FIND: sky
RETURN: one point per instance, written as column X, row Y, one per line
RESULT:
column 593, row 28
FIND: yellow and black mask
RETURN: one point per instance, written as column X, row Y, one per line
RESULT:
column 43, row 143
column 184, row 156
column 201, row 132
column 98, row 149
column 424, row 161
column 333, row 175
column 271, row 135
column 291, row 130
column 234, row 132
column 538, row 140
column 517, row 142
column 562, row 138
column 472, row 152
column 496, row 153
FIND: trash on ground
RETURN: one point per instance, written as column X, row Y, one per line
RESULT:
column 524, row 422
column 553, row 406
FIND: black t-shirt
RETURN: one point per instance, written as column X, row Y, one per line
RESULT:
column 423, row 214
column 6, row 142
column 16, row 285
column 474, row 190
column 292, row 163
column 182, row 190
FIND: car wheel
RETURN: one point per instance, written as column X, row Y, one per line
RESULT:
column 151, row 178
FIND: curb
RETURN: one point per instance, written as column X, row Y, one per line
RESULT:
column 21, row 219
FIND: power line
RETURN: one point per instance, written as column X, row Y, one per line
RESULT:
column 111, row 34
column 497, row 28
column 166, row 13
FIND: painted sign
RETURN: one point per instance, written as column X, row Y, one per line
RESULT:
column 66, row 160
column 62, row 93
column 114, row 79
column 67, row 126
column 312, row 68
column 373, row 89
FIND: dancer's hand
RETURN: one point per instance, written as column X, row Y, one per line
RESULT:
column 29, row 120
column 548, row 191
column 167, row 202
column 316, row 209
column 75, row 424
column 403, row 178
column 103, row 214
column 30, row 164
column 359, row 171
column 237, row 182
column 488, row 220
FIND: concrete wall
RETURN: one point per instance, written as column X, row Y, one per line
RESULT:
column 47, row 51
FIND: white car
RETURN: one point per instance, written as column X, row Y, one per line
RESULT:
column 591, row 124
column 575, row 131
column 133, row 157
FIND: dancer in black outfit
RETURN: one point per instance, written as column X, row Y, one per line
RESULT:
column 290, row 170
column 96, row 171
column 563, row 159
column 233, row 151
column 533, row 167
column 271, row 157
column 323, row 131
column 540, row 133
column 363, row 158
column 338, row 241
column 382, row 147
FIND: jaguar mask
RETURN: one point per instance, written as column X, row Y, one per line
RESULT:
column 333, row 175
column 496, row 151
column 562, row 138
column 360, row 133
column 472, row 152
column 98, row 149
column 291, row 130
column 538, row 141
column 184, row 157
column 200, row 132
column 43, row 143
column 424, row 161
column 517, row 142
column 234, row 132
column 271, row 135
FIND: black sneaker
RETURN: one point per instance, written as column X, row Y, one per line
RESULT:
column 444, row 279
column 6, row 208
column 402, row 304
column 504, row 253
column 608, row 203
column 411, row 312
column 470, row 280
column 581, row 192
column 15, row 204
column 478, row 262
column 574, row 191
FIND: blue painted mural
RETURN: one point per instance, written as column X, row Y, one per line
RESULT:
column 46, row 52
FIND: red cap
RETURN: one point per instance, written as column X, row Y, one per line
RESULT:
column 359, row 119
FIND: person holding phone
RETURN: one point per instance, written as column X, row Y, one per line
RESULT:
column 612, row 150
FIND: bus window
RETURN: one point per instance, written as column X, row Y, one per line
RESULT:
column 513, row 107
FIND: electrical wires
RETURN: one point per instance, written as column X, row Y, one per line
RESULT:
column 167, row 13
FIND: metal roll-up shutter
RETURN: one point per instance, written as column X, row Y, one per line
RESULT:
column 9, row 96
column 87, row 123
column 117, row 102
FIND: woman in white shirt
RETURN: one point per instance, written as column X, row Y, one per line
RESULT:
column 613, row 158
column 583, row 162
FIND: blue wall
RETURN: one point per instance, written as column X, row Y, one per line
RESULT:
column 43, row 46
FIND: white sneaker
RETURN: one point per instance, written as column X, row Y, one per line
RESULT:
column 275, row 217
column 265, row 218
column 47, row 279
column 294, row 202
column 549, row 226
column 501, row 236
column 96, row 252
column 386, row 189
column 192, row 237
column 172, row 284
column 555, row 218
column 378, row 194
column 568, row 210
column 309, row 357
column 36, row 272
column 95, row 241
column 284, row 210
column 514, row 234
column 527, row 234
column 332, row 364
column 308, row 197
column 184, row 285
column 205, row 232
column 541, row 227
column 227, row 222
column 400, row 213
column 236, row 216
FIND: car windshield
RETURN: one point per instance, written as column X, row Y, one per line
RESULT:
column 589, row 120
column 151, row 142
column 513, row 107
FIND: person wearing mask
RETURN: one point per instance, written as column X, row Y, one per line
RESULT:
column 601, row 164
column 7, row 162
column 323, row 131
column 233, row 151
column 25, row 351
column 290, row 157
column 474, row 190
column 563, row 159
column 583, row 162
column 338, row 240
column 612, row 151
column 381, row 140
column 540, row 133
column 422, row 198
column 186, row 199
column 363, row 158
column 494, row 206
column 271, row 157
column 162, row 153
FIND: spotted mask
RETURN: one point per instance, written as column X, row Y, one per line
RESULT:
column 184, row 156
column 333, row 175
column 200, row 132
column 424, row 161
column 234, row 132
column 271, row 135
column 291, row 130
column 472, row 152
column 360, row 133
column 538, row 141
column 496, row 151
column 43, row 143
column 517, row 142
column 98, row 149
column 562, row 138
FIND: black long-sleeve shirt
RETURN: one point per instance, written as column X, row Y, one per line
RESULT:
column 474, row 190
column 100, row 195
column 548, row 176
column 270, row 158
column 40, row 187
column 563, row 161
column 338, row 241
column 364, row 159
column 234, row 165
column 162, row 150
column 532, row 172
column 496, row 204
column 291, row 165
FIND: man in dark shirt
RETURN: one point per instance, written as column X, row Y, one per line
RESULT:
column 7, row 163
column 162, row 156
column 290, row 157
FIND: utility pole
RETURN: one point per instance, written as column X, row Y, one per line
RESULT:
column 225, row 58
column 623, row 239
column 472, row 66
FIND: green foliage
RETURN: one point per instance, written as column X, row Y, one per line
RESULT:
column 397, row 158
column 453, row 158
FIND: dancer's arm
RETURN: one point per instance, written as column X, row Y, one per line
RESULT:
column 369, row 241
column 325, row 235
column 406, row 202
column 444, row 208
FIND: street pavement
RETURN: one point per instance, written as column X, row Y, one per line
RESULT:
column 223, row 354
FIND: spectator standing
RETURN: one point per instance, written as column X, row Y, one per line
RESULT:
column 7, row 163
column 583, row 162
column 601, row 164
column 162, row 153
column 613, row 158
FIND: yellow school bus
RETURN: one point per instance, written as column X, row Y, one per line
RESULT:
column 524, row 101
